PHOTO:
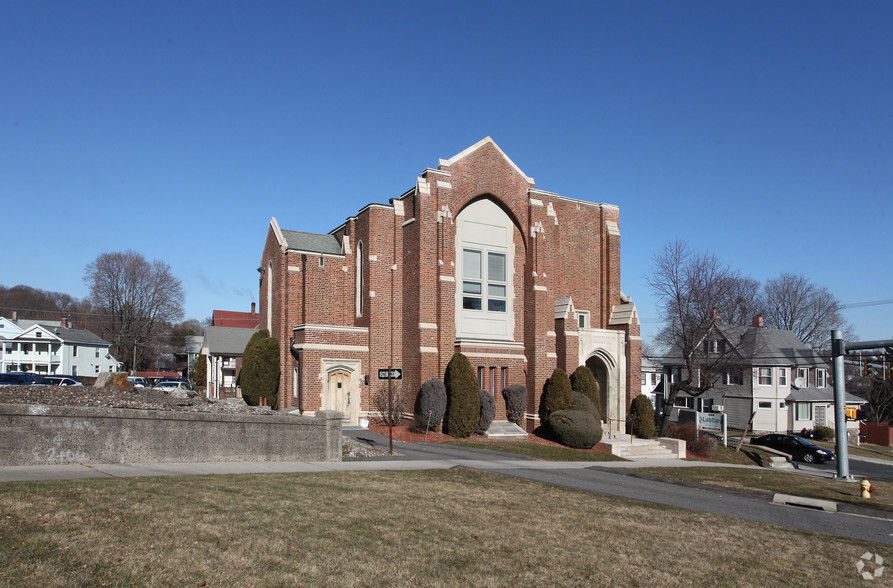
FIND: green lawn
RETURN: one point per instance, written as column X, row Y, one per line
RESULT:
column 431, row 528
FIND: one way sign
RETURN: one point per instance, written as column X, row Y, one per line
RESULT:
column 396, row 374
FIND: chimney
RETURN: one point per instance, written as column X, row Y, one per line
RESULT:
column 252, row 307
column 65, row 322
column 758, row 322
column 15, row 316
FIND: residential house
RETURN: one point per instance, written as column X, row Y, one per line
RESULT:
column 232, row 318
column 223, row 348
column 652, row 373
column 771, row 375
column 472, row 258
column 53, row 347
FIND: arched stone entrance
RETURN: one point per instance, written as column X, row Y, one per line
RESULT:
column 598, row 368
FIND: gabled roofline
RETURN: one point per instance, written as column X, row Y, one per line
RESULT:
column 478, row 145
column 274, row 224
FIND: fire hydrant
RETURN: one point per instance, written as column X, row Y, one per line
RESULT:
column 867, row 489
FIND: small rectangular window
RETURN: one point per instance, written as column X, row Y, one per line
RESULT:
column 734, row 378
column 765, row 404
column 820, row 378
column 644, row 379
column 803, row 373
column 97, row 352
column 764, row 376
column 782, row 376
column 804, row 411
column 74, row 351
column 492, row 382
column 481, row 377
column 505, row 377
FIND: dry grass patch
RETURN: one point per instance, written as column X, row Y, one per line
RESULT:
column 455, row 527
column 765, row 480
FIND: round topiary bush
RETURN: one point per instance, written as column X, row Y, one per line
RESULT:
column 575, row 428
column 557, row 395
column 430, row 405
column 463, row 412
column 582, row 402
column 641, row 412
column 488, row 412
column 582, row 380
column 516, row 398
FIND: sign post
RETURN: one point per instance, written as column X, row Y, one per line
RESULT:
column 390, row 374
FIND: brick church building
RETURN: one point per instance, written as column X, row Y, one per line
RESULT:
column 473, row 258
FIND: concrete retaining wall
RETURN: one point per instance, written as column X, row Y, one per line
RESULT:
column 36, row 434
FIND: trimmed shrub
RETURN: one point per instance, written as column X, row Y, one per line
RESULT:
column 697, row 443
column 432, row 399
column 200, row 371
column 259, row 378
column 823, row 433
column 488, row 412
column 582, row 402
column 557, row 395
column 463, row 411
column 516, row 398
column 642, row 416
column 576, row 428
column 583, row 380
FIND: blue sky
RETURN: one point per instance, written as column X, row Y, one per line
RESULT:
column 760, row 131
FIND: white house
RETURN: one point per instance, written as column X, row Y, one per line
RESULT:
column 223, row 347
column 771, row 376
column 651, row 377
column 51, row 348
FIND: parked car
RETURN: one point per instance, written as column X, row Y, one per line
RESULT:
column 173, row 379
column 18, row 379
column 58, row 381
column 797, row 447
column 138, row 382
column 170, row 386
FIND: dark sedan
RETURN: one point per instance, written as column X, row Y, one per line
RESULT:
column 795, row 446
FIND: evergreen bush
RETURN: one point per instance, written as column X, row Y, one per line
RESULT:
column 200, row 371
column 583, row 380
column 432, row 398
column 259, row 377
column 463, row 412
column 575, row 428
column 557, row 395
column 642, row 414
column 516, row 398
column 822, row 433
column 488, row 412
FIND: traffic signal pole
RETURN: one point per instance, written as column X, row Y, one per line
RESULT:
column 839, row 348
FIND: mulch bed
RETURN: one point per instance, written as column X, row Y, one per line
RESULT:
column 408, row 434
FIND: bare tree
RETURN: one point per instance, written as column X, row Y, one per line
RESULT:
column 810, row 311
column 696, row 292
column 137, row 299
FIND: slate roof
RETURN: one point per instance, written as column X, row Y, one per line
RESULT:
column 79, row 336
column 820, row 395
column 312, row 242
column 227, row 340
column 763, row 346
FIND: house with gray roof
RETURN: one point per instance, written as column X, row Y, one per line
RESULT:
column 771, row 375
column 53, row 347
column 223, row 347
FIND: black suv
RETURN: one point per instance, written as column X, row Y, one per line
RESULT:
column 18, row 379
